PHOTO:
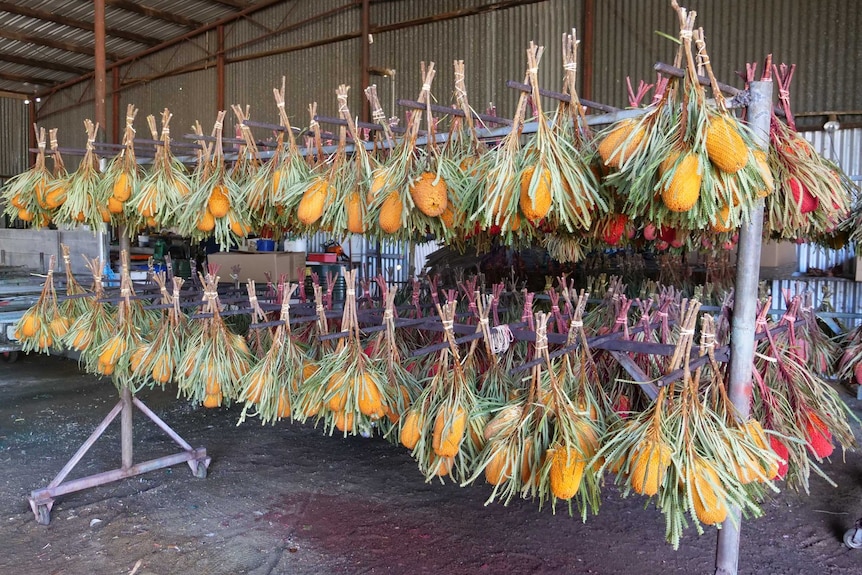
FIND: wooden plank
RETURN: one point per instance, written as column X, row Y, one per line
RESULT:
column 634, row 370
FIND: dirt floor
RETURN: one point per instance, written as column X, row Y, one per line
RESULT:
column 286, row 499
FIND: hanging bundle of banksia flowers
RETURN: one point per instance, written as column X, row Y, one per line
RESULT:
column 408, row 192
column 812, row 194
column 495, row 384
column 352, row 390
column 42, row 323
column 214, row 207
column 75, row 303
column 113, row 356
column 401, row 387
column 805, row 413
column 442, row 428
column 155, row 361
column 284, row 170
column 556, row 183
column 684, row 165
column 156, row 200
column 719, row 460
column 260, row 339
column 86, row 202
column 349, row 179
column 458, row 161
column 28, row 196
column 494, row 203
column 95, row 322
column 214, row 359
column 573, row 136
column 123, row 175
column 269, row 387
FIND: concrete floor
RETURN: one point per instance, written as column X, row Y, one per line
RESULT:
column 287, row 499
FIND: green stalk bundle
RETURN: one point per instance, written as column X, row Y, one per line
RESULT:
column 122, row 177
column 95, row 323
column 32, row 196
column 442, row 428
column 86, row 202
column 155, row 361
column 351, row 393
column 157, row 200
column 40, row 324
column 214, row 359
column 270, row 386
column 408, row 194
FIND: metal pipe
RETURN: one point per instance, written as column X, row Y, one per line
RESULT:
column 99, row 68
column 587, row 44
column 560, row 96
column 31, row 129
column 220, row 68
column 126, row 430
column 744, row 315
column 115, row 106
column 364, row 55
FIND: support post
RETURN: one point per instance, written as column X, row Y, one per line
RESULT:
column 34, row 118
column 115, row 106
column 220, row 68
column 744, row 316
column 126, row 431
column 99, row 70
column 588, row 41
column 364, row 55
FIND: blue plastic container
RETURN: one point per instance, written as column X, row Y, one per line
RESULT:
column 265, row 245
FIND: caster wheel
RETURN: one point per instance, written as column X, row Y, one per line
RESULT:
column 43, row 515
column 853, row 539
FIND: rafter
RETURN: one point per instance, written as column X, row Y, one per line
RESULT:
column 13, row 8
column 154, row 13
column 56, row 44
column 25, row 79
column 44, row 64
column 239, row 4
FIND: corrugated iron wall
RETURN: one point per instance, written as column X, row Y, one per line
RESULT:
column 14, row 120
column 820, row 37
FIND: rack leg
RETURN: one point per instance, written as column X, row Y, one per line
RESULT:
column 126, row 434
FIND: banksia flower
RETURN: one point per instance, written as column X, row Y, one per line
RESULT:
column 536, row 207
column 567, row 471
column 650, row 461
column 710, row 503
column 683, row 189
column 449, row 427
column 621, row 143
column 411, row 429
column 724, row 145
column 429, row 194
column 312, row 203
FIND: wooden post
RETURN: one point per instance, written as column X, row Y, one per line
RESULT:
column 743, row 328
column 99, row 70
column 115, row 106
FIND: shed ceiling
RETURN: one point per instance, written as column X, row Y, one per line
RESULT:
column 44, row 43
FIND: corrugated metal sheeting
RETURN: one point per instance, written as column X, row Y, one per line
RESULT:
column 14, row 125
column 821, row 37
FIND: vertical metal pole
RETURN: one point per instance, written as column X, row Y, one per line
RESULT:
column 34, row 118
column 126, row 428
column 744, row 315
column 115, row 105
column 588, row 41
column 364, row 55
column 220, row 68
column 99, row 100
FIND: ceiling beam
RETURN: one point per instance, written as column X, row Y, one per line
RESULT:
column 56, row 44
column 44, row 64
column 154, row 13
column 13, row 8
column 25, row 79
column 239, row 4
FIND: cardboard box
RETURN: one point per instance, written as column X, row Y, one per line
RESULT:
column 775, row 254
column 253, row 265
